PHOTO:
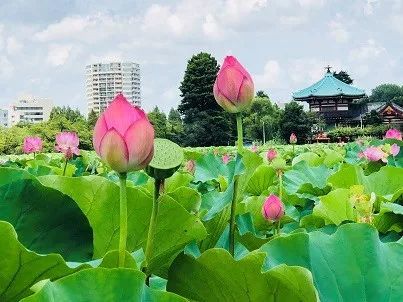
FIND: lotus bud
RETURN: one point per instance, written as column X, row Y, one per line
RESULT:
column 190, row 166
column 293, row 138
column 123, row 137
column 273, row 208
column 67, row 143
column 271, row 154
column 226, row 158
column 253, row 149
column 374, row 154
column 233, row 87
column 393, row 134
column 394, row 149
column 32, row 144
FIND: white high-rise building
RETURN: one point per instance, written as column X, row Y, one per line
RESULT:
column 3, row 118
column 30, row 109
column 105, row 80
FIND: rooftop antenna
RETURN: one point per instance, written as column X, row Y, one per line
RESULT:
column 328, row 68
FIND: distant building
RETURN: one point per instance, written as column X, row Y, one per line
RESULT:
column 105, row 80
column 3, row 118
column 390, row 112
column 334, row 100
column 30, row 109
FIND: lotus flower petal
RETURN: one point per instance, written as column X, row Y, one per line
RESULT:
column 137, row 139
column 100, row 130
column 114, row 151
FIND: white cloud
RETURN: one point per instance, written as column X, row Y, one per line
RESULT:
column 310, row 3
column 369, row 7
column 211, row 28
column 7, row 68
column 58, row 54
column 367, row 51
column 293, row 20
column 13, row 46
column 271, row 76
column 306, row 70
column 338, row 31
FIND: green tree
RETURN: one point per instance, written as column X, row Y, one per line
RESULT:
column 295, row 119
column 205, row 122
column 262, row 94
column 70, row 114
column 372, row 118
column 92, row 119
column 159, row 120
column 343, row 76
column 175, row 126
column 387, row 93
column 263, row 114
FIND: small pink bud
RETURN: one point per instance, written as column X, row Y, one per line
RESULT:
column 374, row 154
column 226, row 158
column 293, row 138
column 233, row 87
column 123, row 137
column 32, row 144
column 271, row 154
column 67, row 143
column 393, row 134
column 273, row 208
column 394, row 149
column 254, row 148
column 190, row 166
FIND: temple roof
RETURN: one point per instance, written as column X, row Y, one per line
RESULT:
column 328, row 86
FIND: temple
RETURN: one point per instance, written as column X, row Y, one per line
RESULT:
column 336, row 101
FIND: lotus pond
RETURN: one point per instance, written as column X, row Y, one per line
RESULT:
column 338, row 240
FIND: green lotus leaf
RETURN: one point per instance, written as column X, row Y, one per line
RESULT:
column 102, row 284
column 350, row 175
column 45, row 220
column 216, row 276
column 389, row 218
column 98, row 199
column 261, row 179
column 306, row 181
column 22, row 268
column 352, row 264
column 311, row 158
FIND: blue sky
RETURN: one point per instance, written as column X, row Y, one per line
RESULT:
column 44, row 45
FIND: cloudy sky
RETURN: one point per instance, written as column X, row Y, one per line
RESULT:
column 45, row 44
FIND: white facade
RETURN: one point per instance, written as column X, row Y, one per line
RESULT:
column 105, row 80
column 30, row 109
column 3, row 118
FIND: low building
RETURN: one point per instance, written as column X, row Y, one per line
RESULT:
column 334, row 100
column 3, row 118
column 30, row 110
column 390, row 112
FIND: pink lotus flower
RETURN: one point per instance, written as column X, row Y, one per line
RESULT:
column 293, row 138
column 271, row 154
column 123, row 137
column 190, row 166
column 374, row 154
column 393, row 134
column 32, row 144
column 394, row 149
column 273, row 208
column 226, row 158
column 233, row 87
column 67, row 143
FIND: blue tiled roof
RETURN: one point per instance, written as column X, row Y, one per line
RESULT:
column 329, row 86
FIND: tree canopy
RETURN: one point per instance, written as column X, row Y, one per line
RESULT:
column 343, row 76
column 387, row 93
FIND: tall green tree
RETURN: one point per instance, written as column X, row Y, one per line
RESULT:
column 372, row 118
column 262, row 116
column 387, row 93
column 205, row 122
column 92, row 119
column 175, row 126
column 159, row 120
column 295, row 120
column 343, row 76
column 70, row 114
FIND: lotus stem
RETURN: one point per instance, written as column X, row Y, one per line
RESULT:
column 122, row 219
column 232, row 225
column 158, row 187
column 65, row 166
